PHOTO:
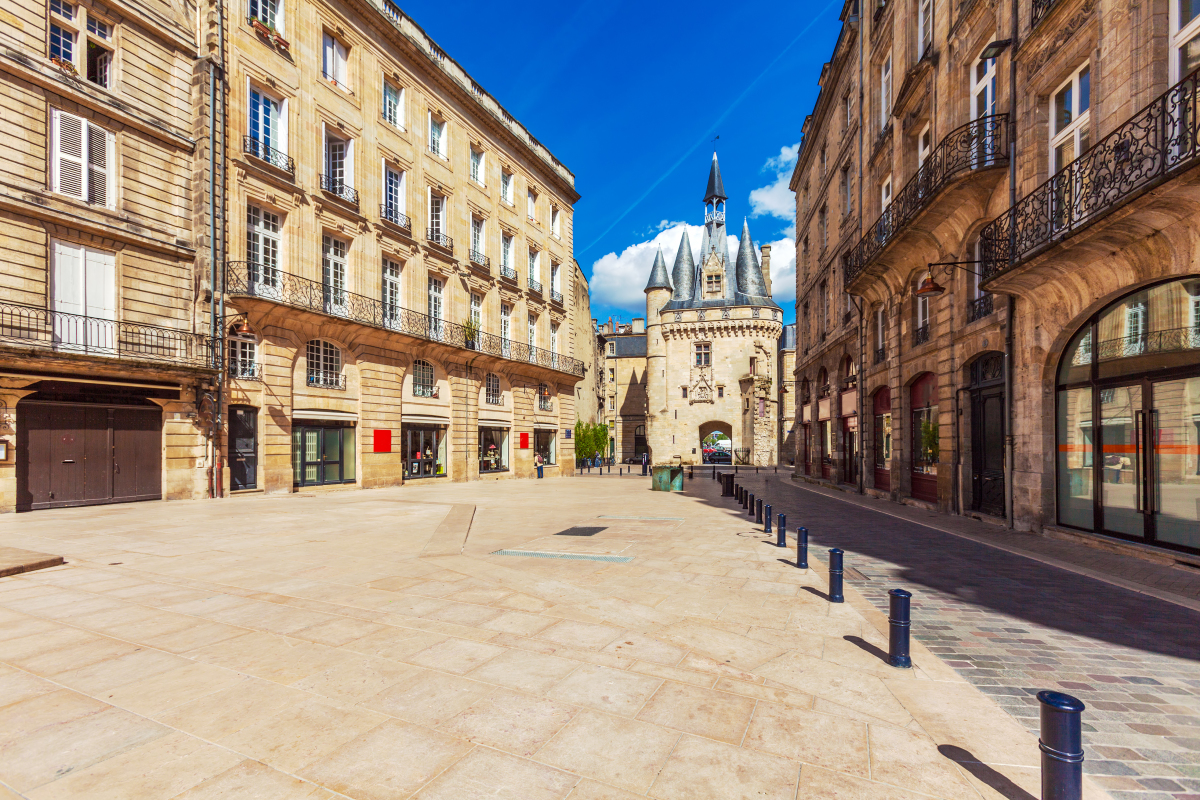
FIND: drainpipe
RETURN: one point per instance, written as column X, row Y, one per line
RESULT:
column 213, row 322
column 862, row 322
column 1009, row 322
column 217, row 133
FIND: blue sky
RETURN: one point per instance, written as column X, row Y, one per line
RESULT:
column 629, row 96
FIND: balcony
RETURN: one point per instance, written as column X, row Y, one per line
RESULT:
column 43, row 329
column 1038, row 10
column 326, row 379
column 249, row 280
column 435, row 236
column 340, row 189
column 556, row 296
column 276, row 158
column 714, row 216
column 850, row 382
column 880, row 355
column 534, row 286
column 392, row 214
column 979, row 308
column 823, row 390
column 431, row 391
column 508, row 272
column 1157, row 144
column 921, row 335
column 981, row 144
column 480, row 259
column 240, row 370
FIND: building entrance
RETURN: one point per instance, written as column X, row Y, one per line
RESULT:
column 987, row 434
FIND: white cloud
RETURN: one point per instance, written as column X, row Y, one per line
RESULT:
column 776, row 199
column 783, row 271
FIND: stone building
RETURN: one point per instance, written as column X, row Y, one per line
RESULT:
column 624, row 388
column 786, row 370
column 400, row 294
column 1026, row 263
column 589, row 392
column 107, row 386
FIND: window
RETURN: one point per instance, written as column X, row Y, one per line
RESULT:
column 534, row 268
column 531, row 205
column 753, row 365
column 885, row 194
column 924, row 145
column 437, row 208
column 333, row 63
column 267, row 128
column 720, row 391
column 476, row 237
column 822, row 226
column 262, row 248
column 506, row 187
column 505, row 328
column 476, row 311
column 324, row 367
column 823, row 298
column 847, row 111
column 99, row 57
column 267, row 12
column 885, row 92
column 64, row 10
column 506, row 248
column 684, row 392
column 243, row 354
column 333, row 274
column 846, row 196
column 492, row 394
column 434, row 305
column 391, row 290
column 62, row 43
column 824, row 162
column 880, row 332
column 612, row 348
column 1069, row 128
column 438, row 144
column 493, row 449
column 84, row 157
column 554, row 283
column 554, row 224
column 394, row 197
column 924, row 28
column 703, row 352
column 393, row 105
column 532, row 331
column 712, row 284
column 424, row 384
column 554, row 344
column 612, row 375
column 543, row 395
column 921, row 309
column 83, row 282
column 612, row 403
column 339, row 164
column 477, row 166
column 983, row 89
column 1185, row 38
column 544, row 445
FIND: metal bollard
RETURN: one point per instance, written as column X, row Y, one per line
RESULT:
column 751, row 499
column 781, row 528
column 758, row 512
column 835, row 576
column 745, row 497
column 735, row 469
column 755, row 469
column 767, row 520
column 691, row 473
column 899, row 623
column 1061, row 744
column 802, row 548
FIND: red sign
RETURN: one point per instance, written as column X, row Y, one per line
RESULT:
column 383, row 441
column 524, row 441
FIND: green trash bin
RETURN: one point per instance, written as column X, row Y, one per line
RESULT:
column 667, row 479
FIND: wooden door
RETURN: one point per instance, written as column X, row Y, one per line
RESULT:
column 243, row 448
column 136, row 454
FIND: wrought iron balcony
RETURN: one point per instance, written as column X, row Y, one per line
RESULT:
column 276, row 158
column 980, row 307
column 534, row 285
column 508, row 272
column 480, row 259
column 248, row 279
column 1156, row 144
column 339, row 188
column 823, row 390
column 556, row 296
column 42, row 328
column 392, row 214
column 714, row 216
column 850, row 382
column 240, row 370
column 1173, row 340
column 326, row 379
column 1038, row 11
column 436, row 236
column 921, row 335
column 980, row 144
column 880, row 355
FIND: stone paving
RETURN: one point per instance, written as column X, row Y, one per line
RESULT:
column 1012, row 625
column 362, row 644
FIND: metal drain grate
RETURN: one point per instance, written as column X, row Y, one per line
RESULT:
column 578, row 531
column 570, row 556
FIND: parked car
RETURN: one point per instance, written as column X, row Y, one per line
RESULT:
column 719, row 457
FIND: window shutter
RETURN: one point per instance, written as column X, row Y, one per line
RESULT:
column 349, row 167
column 327, row 62
column 100, row 153
column 67, row 279
column 100, row 283
column 341, row 58
column 67, row 158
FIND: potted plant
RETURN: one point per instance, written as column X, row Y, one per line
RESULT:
column 471, row 333
column 279, row 40
column 64, row 65
column 261, row 28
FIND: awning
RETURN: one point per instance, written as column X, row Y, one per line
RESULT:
column 496, row 422
column 320, row 413
column 429, row 419
column 544, row 426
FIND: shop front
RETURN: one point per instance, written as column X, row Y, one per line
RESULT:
column 545, row 444
column 925, row 444
column 324, row 448
column 493, row 448
column 424, row 446
column 882, row 451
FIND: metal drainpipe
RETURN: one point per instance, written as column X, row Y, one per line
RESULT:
column 1009, row 338
column 213, row 324
column 862, row 362
column 218, row 302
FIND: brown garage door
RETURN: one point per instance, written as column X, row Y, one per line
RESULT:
column 72, row 454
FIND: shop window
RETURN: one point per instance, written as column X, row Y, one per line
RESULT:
column 493, row 449
column 424, row 451
column 544, row 445
column 492, row 395
column 424, row 384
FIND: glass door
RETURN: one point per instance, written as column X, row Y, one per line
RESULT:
column 1122, row 483
column 323, row 455
column 1174, row 438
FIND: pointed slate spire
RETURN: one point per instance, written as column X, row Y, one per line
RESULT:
column 716, row 188
column 684, row 272
column 659, row 279
column 749, row 273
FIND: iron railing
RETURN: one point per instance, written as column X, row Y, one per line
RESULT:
column 978, row 145
column 534, row 285
column 240, row 370
column 880, row 354
column 73, row 333
column 980, row 307
column 556, row 296
column 392, row 214
column 326, row 379
column 508, row 272
column 714, row 216
column 436, row 236
column 339, row 188
column 1038, row 10
column 1155, row 144
column 276, row 158
column 850, row 382
column 426, row 390
column 335, row 82
column 248, row 279
column 1173, row 340
column 480, row 259
column 921, row 335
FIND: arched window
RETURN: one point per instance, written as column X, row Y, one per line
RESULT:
column 325, row 365
column 243, row 352
column 849, row 372
column 423, row 382
column 1128, row 419
column 805, row 392
column 492, row 394
column 544, row 403
column 822, row 383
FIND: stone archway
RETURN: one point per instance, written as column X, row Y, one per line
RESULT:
column 716, row 429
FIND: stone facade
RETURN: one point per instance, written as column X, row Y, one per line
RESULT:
column 624, row 383
column 786, row 370
column 982, row 248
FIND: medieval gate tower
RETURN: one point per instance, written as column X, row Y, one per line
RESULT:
column 712, row 336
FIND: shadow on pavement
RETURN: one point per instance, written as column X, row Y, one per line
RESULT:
column 863, row 644
column 967, row 760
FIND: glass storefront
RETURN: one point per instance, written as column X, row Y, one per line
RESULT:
column 1128, row 419
column 493, row 449
column 925, row 438
column 323, row 453
column 544, row 445
column 424, row 450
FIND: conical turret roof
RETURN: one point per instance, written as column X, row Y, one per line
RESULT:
column 749, row 273
column 716, row 188
column 659, row 279
column 684, row 272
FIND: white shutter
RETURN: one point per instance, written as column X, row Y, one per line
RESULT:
column 67, row 169
column 100, row 166
column 327, row 61
column 340, row 56
column 66, row 282
column 281, row 125
column 100, row 298
column 349, row 168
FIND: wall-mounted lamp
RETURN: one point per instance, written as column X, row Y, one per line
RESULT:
column 929, row 287
column 994, row 49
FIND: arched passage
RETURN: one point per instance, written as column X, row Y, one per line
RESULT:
column 716, row 442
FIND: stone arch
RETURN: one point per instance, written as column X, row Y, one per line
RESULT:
column 711, row 427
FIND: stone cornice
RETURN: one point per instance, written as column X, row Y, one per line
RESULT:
column 722, row 329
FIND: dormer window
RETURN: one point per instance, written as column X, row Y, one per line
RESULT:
column 712, row 285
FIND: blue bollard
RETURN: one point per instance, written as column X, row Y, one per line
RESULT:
column 835, row 576
column 781, row 533
column 802, row 548
column 1061, row 744
column 767, row 520
column 750, row 500
column 899, row 623
column 758, row 512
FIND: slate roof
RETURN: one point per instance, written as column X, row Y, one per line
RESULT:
column 716, row 188
column 658, row 274
column 629, row 346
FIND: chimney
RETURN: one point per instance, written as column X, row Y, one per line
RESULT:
column 766, row 267
column 639, row 325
